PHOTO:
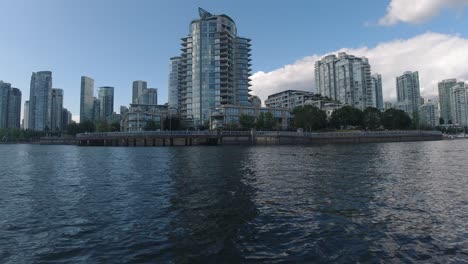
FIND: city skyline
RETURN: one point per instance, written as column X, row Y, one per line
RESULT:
column 266, row 68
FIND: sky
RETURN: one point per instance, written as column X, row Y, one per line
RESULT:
column 118, row 41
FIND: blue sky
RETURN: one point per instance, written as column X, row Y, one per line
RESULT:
column 117, row 42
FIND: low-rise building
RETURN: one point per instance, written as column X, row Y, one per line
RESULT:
column 289, row 99
column 228, row 116
column 138, row 115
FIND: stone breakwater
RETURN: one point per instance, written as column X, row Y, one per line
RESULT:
column 189, row 138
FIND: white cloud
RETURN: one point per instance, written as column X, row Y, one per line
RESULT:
column 435, row 56
column 417, row 11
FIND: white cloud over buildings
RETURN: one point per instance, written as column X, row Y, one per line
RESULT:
column 418, row 11
column 436, row 57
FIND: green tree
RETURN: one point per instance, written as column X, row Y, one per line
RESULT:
column 114, row 127
column 346, row 116
column 102, row 126
column 266, row 121
column 372, row 118
column 247, row 121
column 396, row 119
column 309, row 117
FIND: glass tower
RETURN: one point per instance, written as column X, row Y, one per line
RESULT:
column 14, row 108
column 139, row 87
column 4, row 98
column 214, row 68
column 39, row 100
column 173, row 86
column 56, row 110
column 86, row 99
column 106, row 100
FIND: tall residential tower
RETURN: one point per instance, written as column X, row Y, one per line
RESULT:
column 408, row 94
column 40, row 100
column 214, row 68
column 106, row 101
column 345, row 78
column 86, row 99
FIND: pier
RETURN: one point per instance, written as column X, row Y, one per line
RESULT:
column 190, row 138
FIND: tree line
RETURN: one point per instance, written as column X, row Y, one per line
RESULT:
column 311, row 118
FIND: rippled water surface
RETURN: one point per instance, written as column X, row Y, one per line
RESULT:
column 367, row 203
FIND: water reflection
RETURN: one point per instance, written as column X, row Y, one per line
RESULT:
column 334, row 203
column 213, row 201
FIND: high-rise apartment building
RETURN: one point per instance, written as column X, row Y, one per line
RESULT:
column 10, row 106
column 106, row 100
column 428, row 114
column 377, row 94
column 96, row 110
column 149, row 97
column 14, row 108
column 56, row 119
column 345, row 78
column 66, row 118
column 408, row 93
column 214, row 68
column 459, row 104
column 86, row 99
column 4, row 97
column 137, row 92
column 445, row 88
column 39, row 100
column 173, row 85
column 26, row 115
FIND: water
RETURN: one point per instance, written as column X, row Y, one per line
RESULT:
column 367, row 203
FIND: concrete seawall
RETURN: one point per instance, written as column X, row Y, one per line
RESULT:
column 189, row 138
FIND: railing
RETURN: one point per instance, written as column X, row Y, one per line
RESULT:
column 262, row 134
column 148, row 133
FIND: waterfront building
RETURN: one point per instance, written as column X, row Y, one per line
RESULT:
column 138, row 115
column 106, row 100
column 228, row 116
column 137, row 92
column 345, row 78
column 408, row 93
column 288, row 99
column 14, row 108
column 26, row 115
column 56, row 118
column 96, row 110
column 444, row 88
column 459, row 104
column 173, row 85
column 39, row 100
column 86, row 99
column 4, row 98
column 376, row 92
column 428, row 114
column 214, row 68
